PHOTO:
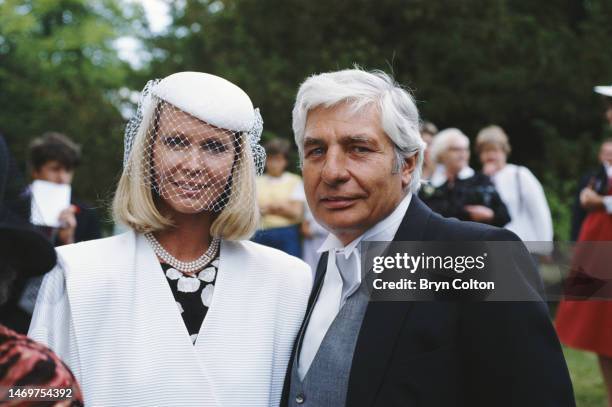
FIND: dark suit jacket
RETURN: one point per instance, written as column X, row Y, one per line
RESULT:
column 88, row 224
column 454, row 353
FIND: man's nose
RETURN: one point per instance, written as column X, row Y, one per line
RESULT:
column 335, row 168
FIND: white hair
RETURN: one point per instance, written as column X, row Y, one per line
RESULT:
column 441, row 142
column 398, row 113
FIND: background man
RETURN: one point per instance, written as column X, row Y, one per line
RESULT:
column 359, row 142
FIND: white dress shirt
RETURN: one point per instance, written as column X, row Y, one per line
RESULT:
column 342, row 279
column 524, row 197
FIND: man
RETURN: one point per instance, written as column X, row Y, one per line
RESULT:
column 53, row 158
column 361, row 152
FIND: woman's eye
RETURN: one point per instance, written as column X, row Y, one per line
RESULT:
column 214, row 146
column 175, row 142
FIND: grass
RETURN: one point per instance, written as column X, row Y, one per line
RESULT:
column 586, row 378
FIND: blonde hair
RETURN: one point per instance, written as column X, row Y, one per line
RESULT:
column 134, row 203
column 495, row 136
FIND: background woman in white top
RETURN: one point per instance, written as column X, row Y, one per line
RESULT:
column 179, row 310
column 519, row 189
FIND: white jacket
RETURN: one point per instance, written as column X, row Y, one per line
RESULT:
column 108, row 312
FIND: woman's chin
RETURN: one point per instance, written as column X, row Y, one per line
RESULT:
column 185, row 207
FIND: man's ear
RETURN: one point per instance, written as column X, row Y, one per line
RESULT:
column 408, row 169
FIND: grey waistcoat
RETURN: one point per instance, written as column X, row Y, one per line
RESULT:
column 326, row 382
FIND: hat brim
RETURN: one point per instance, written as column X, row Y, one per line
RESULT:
column 26, row 250
column 604, row 90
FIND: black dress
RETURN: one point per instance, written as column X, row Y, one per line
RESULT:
column 193, row 295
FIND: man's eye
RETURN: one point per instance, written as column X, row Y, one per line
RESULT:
column 361, row 149
column 314, row 152
column 175, row 142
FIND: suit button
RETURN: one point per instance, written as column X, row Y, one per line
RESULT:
column 300, row 399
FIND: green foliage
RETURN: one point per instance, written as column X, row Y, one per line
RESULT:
column 527, row 66
column 586, row 378
column 59, row 71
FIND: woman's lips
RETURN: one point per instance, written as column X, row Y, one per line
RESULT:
column 188, row 188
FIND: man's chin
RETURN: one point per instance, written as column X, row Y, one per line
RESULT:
column 340, row 223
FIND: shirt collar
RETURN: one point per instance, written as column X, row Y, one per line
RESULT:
column 382, row 231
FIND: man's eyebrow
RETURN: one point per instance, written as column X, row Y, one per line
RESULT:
column 357, row 138
column 312, row 141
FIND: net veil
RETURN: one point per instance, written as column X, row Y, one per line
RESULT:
column 194, row 140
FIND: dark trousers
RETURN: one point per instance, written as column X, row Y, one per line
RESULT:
column 286, row 239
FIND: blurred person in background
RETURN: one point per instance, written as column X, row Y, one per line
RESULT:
column 593, row 186
column 182, row 309
column 25, row 252
column 53, row 157
column 458, row 191
column 313, row 237
column 518, row 188
column 606, row 93
column 280, row 195
column 428, row 131
column 587, row 324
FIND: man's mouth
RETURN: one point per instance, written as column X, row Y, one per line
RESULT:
column 338, row 201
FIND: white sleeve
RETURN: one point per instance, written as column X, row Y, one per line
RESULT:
column 52, row 320
column 536, row 206
column 607, row 201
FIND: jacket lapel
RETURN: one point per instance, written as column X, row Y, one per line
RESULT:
column 382, row 322
column 314, row 293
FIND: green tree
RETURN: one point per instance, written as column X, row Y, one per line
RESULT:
column 59, row 71
column 527, row 66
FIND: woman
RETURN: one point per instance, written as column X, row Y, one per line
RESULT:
column 519, row 189
column 455, row 190
column 179, row 311
column 586, row 324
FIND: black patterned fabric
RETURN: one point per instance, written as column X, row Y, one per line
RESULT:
column 193, row 295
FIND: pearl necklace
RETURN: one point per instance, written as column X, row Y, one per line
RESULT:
column 185, row 267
